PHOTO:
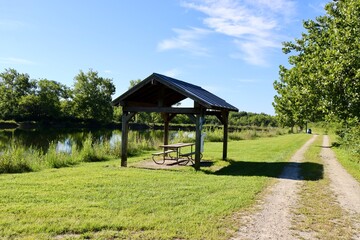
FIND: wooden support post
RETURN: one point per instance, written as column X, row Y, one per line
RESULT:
column 124, row 136
column 166, row 128
column 199, row 125
column 224, row 119
column 124, row 139
column 225, row 116
column 167, row 117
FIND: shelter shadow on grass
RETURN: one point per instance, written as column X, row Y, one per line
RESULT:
column 288, row 170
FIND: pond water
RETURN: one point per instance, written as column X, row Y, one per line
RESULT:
column 64, row 139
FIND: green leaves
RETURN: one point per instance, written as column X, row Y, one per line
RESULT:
column 324, row 77
column 24, row 99
column 92, row 97
column 13, row 86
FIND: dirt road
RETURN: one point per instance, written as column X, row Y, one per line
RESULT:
column 273, row 217
column 345, row 187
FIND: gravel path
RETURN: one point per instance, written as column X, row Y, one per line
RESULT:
column 344, row 186
column 273, row 220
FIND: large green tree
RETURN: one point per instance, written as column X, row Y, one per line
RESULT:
column 44, row 102
column 324, row 78
column 50, row 94
column 14, row 87
column 92, row 97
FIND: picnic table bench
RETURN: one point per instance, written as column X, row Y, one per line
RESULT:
column 166, row 154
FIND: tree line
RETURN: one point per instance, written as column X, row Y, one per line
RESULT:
column 323, row 80
column 23, row 98
column 26, row 99
column 235, row 119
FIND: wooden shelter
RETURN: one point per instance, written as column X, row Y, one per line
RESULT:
column 159, row 93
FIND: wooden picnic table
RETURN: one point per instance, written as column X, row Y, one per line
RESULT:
column 181, row 158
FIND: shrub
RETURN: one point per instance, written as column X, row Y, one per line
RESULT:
column 215, row 135
column 91, row 152
column 15, row 159
column 55, row 159
column 350, row 140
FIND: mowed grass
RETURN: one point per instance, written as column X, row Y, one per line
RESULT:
column 348, row 160
column 103, row 201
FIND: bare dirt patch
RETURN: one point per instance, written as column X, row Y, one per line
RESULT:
column 274, row 217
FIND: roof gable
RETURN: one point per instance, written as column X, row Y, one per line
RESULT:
column 158, row 89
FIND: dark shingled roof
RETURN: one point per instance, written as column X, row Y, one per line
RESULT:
column 147, row 93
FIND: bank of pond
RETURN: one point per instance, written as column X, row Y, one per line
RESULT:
column 33, row 150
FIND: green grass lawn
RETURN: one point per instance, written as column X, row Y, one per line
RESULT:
column 347, row 160
column 102, row 200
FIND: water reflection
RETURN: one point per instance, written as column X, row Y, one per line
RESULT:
column 65, row 139
column 64, row 146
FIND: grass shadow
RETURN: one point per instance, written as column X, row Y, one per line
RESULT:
column 287, row 170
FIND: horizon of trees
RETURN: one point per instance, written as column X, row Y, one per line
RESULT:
column 89, row 99
column 22, row 98
column 241, row 118
column 323, row 81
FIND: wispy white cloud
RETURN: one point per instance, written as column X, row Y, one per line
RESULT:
column 187, row 40
column 231, row 18
column 107, row 71
column 17, row 61
column 254, row 24
column 253, row 50
column 282, row 8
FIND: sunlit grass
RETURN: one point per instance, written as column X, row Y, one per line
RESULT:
column 348, row 160
column 100, row 200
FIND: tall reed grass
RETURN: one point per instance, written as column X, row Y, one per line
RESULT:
column 16, row 158
column 216, row 135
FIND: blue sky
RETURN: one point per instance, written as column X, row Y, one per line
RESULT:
column 231, row 48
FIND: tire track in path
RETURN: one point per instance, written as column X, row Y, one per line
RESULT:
column 344, row 186
column 273, row 220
